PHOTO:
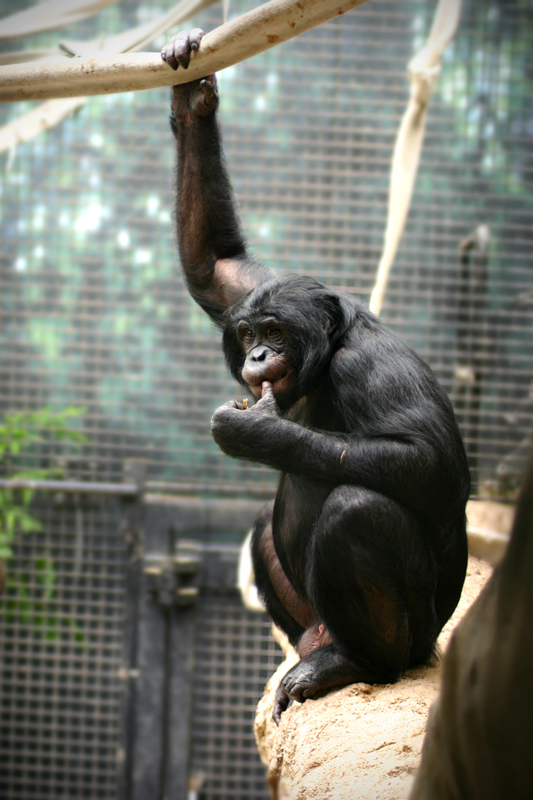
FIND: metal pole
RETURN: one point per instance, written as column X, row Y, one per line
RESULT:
column 71, row 487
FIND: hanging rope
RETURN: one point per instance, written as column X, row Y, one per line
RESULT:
column 49, row 15
column 40, row 119
column 139, row 37
column 424, row 70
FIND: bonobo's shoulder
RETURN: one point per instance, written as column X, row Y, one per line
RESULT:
column 367, row 345
column 357, row 314
column 362, row 328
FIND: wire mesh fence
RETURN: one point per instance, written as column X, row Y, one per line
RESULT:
column 61, row 628
column 93, row 310
column 93, row 313
column 235, row 655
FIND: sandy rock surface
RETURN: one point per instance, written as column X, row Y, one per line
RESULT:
column 360, row 742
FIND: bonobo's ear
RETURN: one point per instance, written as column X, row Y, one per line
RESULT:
column 332, row 315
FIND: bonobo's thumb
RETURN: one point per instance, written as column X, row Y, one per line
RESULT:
column 268, row 401
column 266, row 391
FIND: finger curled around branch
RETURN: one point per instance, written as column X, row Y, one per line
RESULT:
column 177, row 52
column 195, row 37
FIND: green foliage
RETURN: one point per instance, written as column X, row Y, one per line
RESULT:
column 19, row 432
column 27, row 600
column 23, row 428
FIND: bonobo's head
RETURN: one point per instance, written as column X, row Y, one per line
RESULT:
column 284, row 332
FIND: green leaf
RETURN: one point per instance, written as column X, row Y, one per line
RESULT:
column 29, row 524
column 79, row 635
column 46, row 575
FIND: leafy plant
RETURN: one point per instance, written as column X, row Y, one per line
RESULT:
column 19, row 432
column 28, row 600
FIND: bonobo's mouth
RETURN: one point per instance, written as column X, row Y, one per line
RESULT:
column 279, row 385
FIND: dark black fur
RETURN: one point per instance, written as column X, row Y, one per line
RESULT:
column 366, row 393
column 367, row 532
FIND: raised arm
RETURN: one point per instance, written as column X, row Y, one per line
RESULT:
column 212, row 250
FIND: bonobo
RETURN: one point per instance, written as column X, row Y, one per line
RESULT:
column 361, row 557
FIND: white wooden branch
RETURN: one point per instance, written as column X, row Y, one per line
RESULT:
column 39, row 119
column 52, row 112
column 48, row 15
column 241, row 38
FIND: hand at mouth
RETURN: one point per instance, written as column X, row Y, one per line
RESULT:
column 278, row 385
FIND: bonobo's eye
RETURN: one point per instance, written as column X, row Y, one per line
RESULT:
column 246, row 334
column 274, row 333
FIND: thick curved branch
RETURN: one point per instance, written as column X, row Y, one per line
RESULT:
column 252, row 33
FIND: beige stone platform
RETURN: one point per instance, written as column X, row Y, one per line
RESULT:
column 360, row 742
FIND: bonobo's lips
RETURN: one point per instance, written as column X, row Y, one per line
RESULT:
column 279, row 385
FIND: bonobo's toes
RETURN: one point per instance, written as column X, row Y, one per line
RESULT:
column 177, row 52
column 298, row 684
column 281, row 704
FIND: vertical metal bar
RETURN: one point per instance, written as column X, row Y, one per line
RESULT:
column 132, row 527
column 148, row 752
column 180, row 660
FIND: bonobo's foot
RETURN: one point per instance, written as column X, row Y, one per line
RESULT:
column 177, row 52
column 322, row 669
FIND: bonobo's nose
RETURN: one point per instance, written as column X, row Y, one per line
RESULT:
column 260, row 353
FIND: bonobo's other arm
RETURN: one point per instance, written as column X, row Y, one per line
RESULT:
column 211, row 245
column 391, row 466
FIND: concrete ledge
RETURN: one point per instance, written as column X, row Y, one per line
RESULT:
column 360, row 742
column 489, row 528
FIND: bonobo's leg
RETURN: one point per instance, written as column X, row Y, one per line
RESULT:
column 371, row 580
column 289, row 612
column 211, row 244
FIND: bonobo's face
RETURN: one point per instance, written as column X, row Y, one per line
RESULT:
column 282, row 332
column 264, row 344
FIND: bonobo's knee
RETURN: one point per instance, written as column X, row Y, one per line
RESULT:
column 357, row 509
column 374, row 522
column 348, row 500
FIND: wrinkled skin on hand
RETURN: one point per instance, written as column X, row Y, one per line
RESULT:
column 177, row 52
column 237, row 431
